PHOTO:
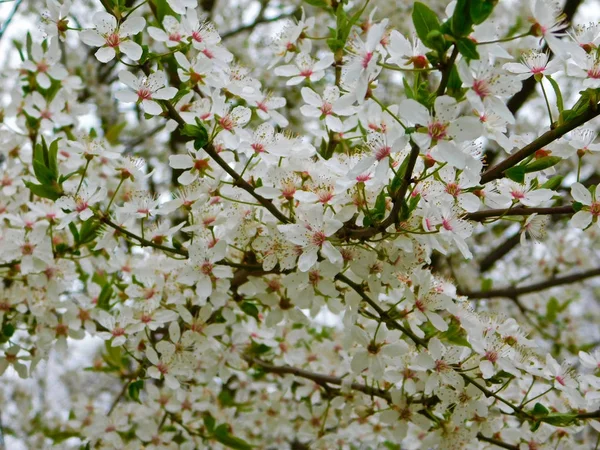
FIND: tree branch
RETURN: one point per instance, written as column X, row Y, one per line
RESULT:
column 497, row 442
column 382, row 314
column 513, row 291
column 539, row 143
column 318, row 378
column 479, row 216
column 258, row 21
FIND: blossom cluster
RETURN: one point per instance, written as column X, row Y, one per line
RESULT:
column 312, row 252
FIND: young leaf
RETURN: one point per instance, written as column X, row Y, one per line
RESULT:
column 461, row 24
column 481, row 9
column 425, row 21
column 467, row 48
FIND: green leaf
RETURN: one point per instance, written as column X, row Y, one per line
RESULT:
column 553, row 182
column 162, row 9
column 461, row 24
column 560, row 420
column 407, row 89
column 516, row 173
column 113, row 356
column 89, row 230
column 197, row 132
column 43, row 191
column 454, row 88
column 43, row 174
column 134, row 389
column 559, row 98
column 113, row 133
column 397, row 180
column 378, row 212
column 481, row 10
column 250, row 309
column 542, row 163
column 467, row 48
column 539, row 410
column 222, row 435
column 104, row 298
column 8, row 330
column 53, row 158
column 486, row 284
column 258, row 349
column 319, row 4
column 425, row 21
column 552, row 309
column 209, row 422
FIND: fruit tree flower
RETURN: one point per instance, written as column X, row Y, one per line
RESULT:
column 113, row 37
column 146, row 91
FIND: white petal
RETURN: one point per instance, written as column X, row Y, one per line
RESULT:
column 131, row 26
column 581, row 194
column 105, row 54
column 131, row 49
column 581, row 219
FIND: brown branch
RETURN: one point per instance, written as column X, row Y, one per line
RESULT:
column 143, row 242
column 383, row 315
column 318, row 378
column 518, row 100
column 212, row 152
column 447, row 69
column 497, row 442
column 589, row 415
column 258, row 21
column 398, row 203
column 548, row 137
column 478, row 216
column 514, row 291
column 499, row 252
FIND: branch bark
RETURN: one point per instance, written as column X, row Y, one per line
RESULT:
column 514, row 291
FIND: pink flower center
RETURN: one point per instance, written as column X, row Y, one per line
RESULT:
column 453, row 189
column 227, row 123
column 306, row 73
column 325, row 196
column 42, row 66
column 481, row 88
column 327, row 109
column 367, row 59
column 447, row 225
column 561, row 380
column 118, row 331
column 437, row 130
column 175, row 37
column 382, row 152
column 595, row 209
column 441, row 365
column 318, row 238
column 144, row 93
column 258, row 148
column 197, row 36
column 27, row 249
column 207, row 268
column 491, row 356
column 594, row 73
column 113, row 40
column 518, row 195
column 81, row 206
